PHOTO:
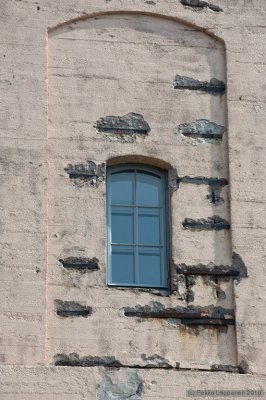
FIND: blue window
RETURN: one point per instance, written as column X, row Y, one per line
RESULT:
column 137, row 226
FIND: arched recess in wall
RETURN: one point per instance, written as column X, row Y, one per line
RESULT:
column 143, row 85
column 135, row 83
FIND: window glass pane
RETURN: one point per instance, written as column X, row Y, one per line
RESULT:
column 122, row 265
column 122, row 188
column 148, row 226
column 122, row 225
column 150, row 266
column 137, row 232
column 148, row 190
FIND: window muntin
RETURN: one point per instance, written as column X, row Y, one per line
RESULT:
column 137, row 226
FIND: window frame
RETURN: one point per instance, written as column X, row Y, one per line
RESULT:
column 164, row 269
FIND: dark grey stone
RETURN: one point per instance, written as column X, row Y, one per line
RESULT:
column 214, row 223
column 201, row 315
column 173, row 179
column 207, row 321
column 215, row 186
column 243, row 367
column 201, row 180
column 132, row 389
column 202, row 128
column 224, row 368
column 240, row 266
column 214, row 86
column 190, row 296
column 128, row 124
column 70, row 309
column 88, row 173
column 153, row 291
column 221, row 295
column 81, row 264
column 73, row 360
column 214, row 196
column 237, row 269
column 191, row 280
column 156, row 361
column 179, row 286
column 209, row 280
column 200, row 4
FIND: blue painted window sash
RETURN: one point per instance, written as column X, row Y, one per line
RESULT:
column 139, row 169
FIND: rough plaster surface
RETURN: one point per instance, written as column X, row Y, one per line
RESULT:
column 99, row 383
column 118, row 70
column 96, row 67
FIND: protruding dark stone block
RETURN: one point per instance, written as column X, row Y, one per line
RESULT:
column 214, row 86
column 214, row 223
column 237, row 269
column 201, row 180
column 128, row 124
column 215, row 186
column 73, row 360
column 89, row 173
column 207, row 321
column 202, row 128
column 186, row 315
column 71, row 309
column 81, row 264
column 156, row 361
column 208, row 269
column 200, row 4
column 224, row 368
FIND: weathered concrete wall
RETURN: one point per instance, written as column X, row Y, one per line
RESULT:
column 111, row 94
column 114, row 64
column 98, row 383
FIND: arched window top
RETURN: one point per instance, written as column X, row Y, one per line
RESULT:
column 137, row 232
